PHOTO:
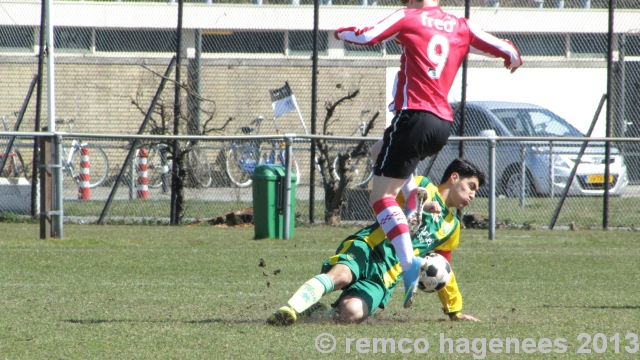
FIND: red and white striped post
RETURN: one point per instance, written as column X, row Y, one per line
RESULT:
column 84, row 191
column 143, row 178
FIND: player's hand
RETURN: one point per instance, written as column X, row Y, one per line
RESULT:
column 464, row 317
column 512, row 63
column 336, row 34
column 507, row 64
column 432, row 207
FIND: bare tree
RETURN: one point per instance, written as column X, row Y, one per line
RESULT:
column 161, row 122
column 336, row 180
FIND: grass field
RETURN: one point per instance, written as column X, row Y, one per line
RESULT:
column 142, row 292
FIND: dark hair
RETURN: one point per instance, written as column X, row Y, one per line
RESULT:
column 465, row 169
column 405, row 2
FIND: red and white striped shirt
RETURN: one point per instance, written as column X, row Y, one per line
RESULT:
column 434, row 44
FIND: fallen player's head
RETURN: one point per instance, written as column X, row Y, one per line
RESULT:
column 462, row 179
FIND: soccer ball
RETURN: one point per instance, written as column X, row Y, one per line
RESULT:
column 435, row 273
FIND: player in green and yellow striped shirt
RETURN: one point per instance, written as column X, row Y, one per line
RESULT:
column 366, row 267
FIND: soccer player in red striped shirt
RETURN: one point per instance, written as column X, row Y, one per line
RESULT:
column 434, row 44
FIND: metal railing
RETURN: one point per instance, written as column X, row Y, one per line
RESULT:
column 288, row 139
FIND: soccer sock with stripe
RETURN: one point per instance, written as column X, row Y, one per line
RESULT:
column 311, row 292
column 409, row 193
column 394, row 224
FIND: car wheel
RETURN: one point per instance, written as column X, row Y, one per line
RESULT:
column 512, row 185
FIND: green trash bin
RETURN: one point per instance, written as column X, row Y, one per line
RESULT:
column 268, row 201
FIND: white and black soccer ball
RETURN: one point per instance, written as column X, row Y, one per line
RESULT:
column 435, row 273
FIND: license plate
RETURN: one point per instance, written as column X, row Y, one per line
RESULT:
column 598, row 179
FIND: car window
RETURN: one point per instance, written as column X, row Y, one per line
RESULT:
column 517, row 121
column 534, row 122
column 475, row 122
column 547, row 125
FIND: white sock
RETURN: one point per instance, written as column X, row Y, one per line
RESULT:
column 408, row 187
column 404, row 250
column 394, row 224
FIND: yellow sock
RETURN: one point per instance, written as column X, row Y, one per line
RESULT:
column 308, row 294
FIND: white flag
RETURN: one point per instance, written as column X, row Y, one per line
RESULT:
column 282, row 100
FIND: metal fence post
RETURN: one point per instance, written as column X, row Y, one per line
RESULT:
column 552, row 174
column 523, row 175
column 59, row 207
column 288, row 138
column 45, row 172
column 132, row 178
column 492, row 189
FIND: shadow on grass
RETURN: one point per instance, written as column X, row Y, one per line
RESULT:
column 204, row 321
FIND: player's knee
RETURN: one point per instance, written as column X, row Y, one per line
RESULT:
column 353, row 310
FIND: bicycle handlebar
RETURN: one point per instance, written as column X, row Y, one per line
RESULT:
column 65, row 121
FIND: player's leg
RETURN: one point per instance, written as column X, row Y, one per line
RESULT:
column 414, row 196
column 303, row 302
column 360, row 300
column 412, row 136
column 338, row 277
column 352, row 309
column 338, row 272
column 398, row 157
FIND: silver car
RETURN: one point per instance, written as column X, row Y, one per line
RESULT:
column 521, row 119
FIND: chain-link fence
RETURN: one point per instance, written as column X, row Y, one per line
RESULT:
column 115, row 74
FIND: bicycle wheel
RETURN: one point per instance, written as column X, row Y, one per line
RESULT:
column 98, row 165
column 14, row 167
column 241, row 162
column 199, row 167
column 155, row 168
column 361, row 169
column 18, row 166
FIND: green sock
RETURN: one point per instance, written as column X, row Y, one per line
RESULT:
column 311, row 292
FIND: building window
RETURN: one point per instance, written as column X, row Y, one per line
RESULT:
column 16, row 38
column 301, row 42
column 263, row 42
column 588, row 44
column 359, row 50
column 393, row 48
column 136, row 40
column 537, row 44
column 72, row 40
column 632, row 45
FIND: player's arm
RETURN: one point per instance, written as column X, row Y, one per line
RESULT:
column 387, row 29
column 483, row 43
column 451, row 300
column 432, row 207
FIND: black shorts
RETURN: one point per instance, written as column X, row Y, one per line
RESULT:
column 412, row 136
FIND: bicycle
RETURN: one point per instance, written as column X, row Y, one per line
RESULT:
column 361, row 162
column 14, row 167
column 242, row 158
column 98, row 162
column 159, row 165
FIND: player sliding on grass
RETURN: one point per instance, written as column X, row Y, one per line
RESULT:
column 434, row 44
column 365, row 266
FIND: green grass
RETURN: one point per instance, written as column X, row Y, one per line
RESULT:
column 140, row 292
column 161, row 208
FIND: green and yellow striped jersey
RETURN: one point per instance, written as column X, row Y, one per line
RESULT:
column 438, row 232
